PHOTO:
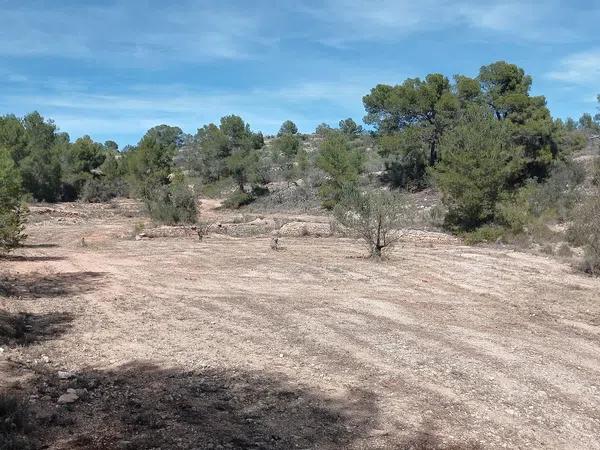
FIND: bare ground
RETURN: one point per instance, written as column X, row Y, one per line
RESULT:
column 224, row 343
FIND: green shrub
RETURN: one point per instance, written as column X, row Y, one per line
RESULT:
column 238, row 199
column 13, row 213
column 512, row 211
column 485, row 233
column 218, row 188
column 436, row 215
column 15, row 423
column 97, row 190
column 405, row 159
column 172, row 204
column 559, row 193
column 342, row 163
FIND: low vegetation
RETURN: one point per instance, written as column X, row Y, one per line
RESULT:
column 502, row 165
column 585, row 231
column 15, row 424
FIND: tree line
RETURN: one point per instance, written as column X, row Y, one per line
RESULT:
column 484, row 142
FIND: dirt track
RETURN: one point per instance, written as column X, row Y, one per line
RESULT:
column 225, row 342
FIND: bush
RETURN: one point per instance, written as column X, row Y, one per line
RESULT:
column 12, row 326
column 98, row 190
column 559, row 193
column 564, row 251
column 585, row 231
column 238, row 199
column 15, row 423
column 172, row 204
column 406, row 160
column 373, row 216
column 512, row 210
column 13, row 213
column 485, row 233
column 218, row 188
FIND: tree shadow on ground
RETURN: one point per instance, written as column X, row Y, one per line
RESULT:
column 39, row 245
column 428, row 439
column 23, row 258
column 27, row 329
column 36, row 285
column 142, row 406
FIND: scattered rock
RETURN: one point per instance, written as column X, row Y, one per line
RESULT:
column 64, row 375
column 69, row 397
column 299, row 229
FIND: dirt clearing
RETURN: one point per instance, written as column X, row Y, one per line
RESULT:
column 225, row 343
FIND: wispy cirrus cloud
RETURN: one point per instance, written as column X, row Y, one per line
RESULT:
column 112, row 68
column 387, row 20
column 103, row 113
column 579, row 68
column 134, row 33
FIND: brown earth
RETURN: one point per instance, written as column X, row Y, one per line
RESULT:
column 225, row 343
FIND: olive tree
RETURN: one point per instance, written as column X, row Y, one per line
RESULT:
column 376, row 217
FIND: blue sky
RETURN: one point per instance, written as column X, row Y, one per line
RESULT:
column 113, row 69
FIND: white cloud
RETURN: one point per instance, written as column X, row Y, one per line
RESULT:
column 106, row 113
column 131, row 33
column 388, row 20
column 579, row 68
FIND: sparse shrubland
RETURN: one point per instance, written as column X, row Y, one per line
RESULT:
column 503, row 167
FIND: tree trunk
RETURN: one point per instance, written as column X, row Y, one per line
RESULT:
column 432, row 153
column 377, row 247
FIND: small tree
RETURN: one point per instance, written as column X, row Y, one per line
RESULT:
column 342, row 164
column 287, row 127
column 12, row 211
column 284, row 151
column 350, row 128
column 374, row 216
column 478, row 162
